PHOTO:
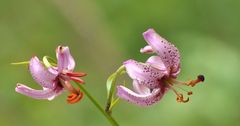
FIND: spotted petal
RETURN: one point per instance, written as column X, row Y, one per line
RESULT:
column 46, row 93
column 144, row 73
column 65, row 59
column 41, row 74
column 167, row 51
column 139, row 99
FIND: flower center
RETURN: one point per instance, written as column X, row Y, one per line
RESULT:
column 75, row 94
column 172, row 83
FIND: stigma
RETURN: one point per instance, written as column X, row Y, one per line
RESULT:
column 174, row 84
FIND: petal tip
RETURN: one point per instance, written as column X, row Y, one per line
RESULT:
column 120, row 91
column 34, row 58
column 17, row 87
column 149, row 32
column 147, row 49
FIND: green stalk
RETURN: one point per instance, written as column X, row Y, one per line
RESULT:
column 109, row 117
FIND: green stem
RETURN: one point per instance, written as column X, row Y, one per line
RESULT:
column 109, row 117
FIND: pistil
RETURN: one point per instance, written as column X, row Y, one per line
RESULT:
column 192, row 83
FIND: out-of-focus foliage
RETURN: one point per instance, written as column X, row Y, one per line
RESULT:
column 101, row 35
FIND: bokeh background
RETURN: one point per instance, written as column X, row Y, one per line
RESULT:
column 101, row 35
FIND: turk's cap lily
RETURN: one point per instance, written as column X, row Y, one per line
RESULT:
column 53, row 79
column 147, row 89
column 152, row 79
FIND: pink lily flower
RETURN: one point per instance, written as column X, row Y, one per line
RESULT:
column 53, row 79
column 151, row 80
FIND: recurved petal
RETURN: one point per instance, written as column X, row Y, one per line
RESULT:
column 65, row 59
column 167, row 51
column 139, row 88
column 37, row 94
column 41, row 74
column 139, row 99
column 157, row 62
column 147, row 49
column 176, row 72
column 144, row 73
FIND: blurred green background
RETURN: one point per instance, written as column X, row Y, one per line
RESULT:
column 101, row 35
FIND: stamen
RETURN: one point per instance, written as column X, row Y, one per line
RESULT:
column 69, row 87
column 76, row 74
column 180, row 97
column 188, row 92
column 78, row 80
column 73, row 98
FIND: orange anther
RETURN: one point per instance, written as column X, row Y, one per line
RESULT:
column 180, row 98
column 74, row 98
column 76, row 74
column 78, row 80
column 190, row 93
column 78, row 98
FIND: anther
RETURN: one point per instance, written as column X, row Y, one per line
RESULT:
column 78, row 80
column 73, row 97
column 76, row 74
column 190, row 93
column 180, row 98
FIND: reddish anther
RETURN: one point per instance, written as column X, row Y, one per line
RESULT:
column 78, row 80
column 74, row 98
column 76, row 74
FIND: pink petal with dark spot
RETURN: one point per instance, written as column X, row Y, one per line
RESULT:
column 65, row 59
column 167, row 51
column 41, row 74
column 143, row 73
column 139, row 99
column 37, row 94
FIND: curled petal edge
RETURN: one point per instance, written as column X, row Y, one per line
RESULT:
column 139, row 99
